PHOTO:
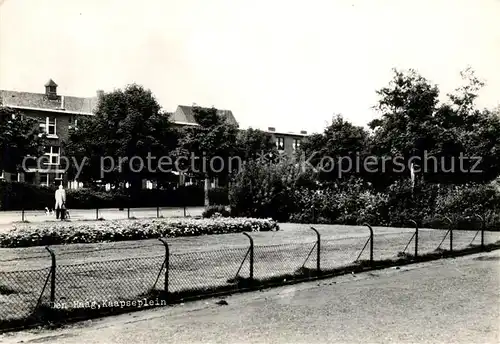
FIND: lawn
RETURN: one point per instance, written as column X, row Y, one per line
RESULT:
column 126, row 270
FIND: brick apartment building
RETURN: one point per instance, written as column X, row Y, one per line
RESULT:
column 58, row 113
column 285, row 141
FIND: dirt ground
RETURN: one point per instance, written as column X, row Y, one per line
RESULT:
column 445, row 301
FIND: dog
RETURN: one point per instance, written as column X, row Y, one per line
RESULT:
column 48, row 212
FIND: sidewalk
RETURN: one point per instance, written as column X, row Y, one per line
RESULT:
column 9, row 217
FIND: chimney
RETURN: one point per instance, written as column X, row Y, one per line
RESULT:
column 271, row 129
column 303, row 132
column 51, row 89
column 100, row 93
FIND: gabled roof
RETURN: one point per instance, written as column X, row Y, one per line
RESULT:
column 41, row 101
column 184, row 114
column 50, row 83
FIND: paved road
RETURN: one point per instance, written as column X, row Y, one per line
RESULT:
column 9, row 217
column 446, row 301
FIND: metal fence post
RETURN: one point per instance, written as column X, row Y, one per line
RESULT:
column 318, row 250
column 451, row 232
column 251, row 254
column 416, row 236
column 371, row 242
column 483, row 225
column 52, row 277
column 167, row 263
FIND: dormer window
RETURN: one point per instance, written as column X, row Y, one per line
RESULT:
column 51, row 89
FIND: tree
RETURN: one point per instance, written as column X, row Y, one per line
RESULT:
column 414, row 125
column 20, row 136
column 209, row 148
column 334, row 152
column 128, row 135
column 254, row 144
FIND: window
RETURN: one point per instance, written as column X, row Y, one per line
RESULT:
column 44, row 179
column 73, row 122
column 59, row 176
column 49, row 126
column 280, row 143
column 53, row 154
column 52, row 89
column 296, row 144
column 15, row 177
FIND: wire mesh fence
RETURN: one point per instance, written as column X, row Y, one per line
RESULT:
column 96, row 279
column 20, row 292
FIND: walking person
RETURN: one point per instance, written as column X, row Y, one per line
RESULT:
column 60, row 202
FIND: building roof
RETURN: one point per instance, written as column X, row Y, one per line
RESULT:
column 50, row 83
column 35, row 101
column 184, row 114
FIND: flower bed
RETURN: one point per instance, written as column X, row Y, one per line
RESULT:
column 25, row 235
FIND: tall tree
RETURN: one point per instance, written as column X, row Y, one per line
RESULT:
column 129, row 126
column 414, row 125
column 254, row 144
column 20, row 136
column 335, row 151
column 209, row 148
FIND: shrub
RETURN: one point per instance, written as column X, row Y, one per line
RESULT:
column 15, row 196
column 26, row 235
column 218, row 196
column 264, row 190
column 213, row 210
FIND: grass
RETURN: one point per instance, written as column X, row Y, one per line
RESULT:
column 198, row 265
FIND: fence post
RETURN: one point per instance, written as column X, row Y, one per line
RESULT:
column 371, row 242
column 483, row 225
column 157, row 212
column 128, row 212
column 451, row 232
column 167, row 263
column 52, row 277
column 97, row 213
column 416, row 237
column 318, row 250
column 251, row 254
column 22, row 215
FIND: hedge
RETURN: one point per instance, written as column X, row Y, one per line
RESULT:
column 56, row 233
column 16, row 196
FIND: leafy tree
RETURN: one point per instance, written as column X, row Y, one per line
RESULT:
column 335, row 151
column 128, row 125
column 414, row 125
column 20, row 136
column 254, row 144
column 209, row 148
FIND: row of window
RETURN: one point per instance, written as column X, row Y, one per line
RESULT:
column 280, row 143
column 49, row 125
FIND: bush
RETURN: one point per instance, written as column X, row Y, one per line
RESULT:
column 56, row 233
column 218, row 196
column 216, row 210
column 264, row 190
column 16, row 196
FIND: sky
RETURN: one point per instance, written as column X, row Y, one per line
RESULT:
column 286, row 64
